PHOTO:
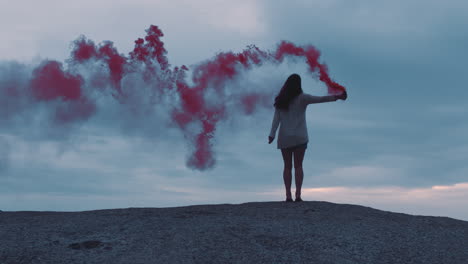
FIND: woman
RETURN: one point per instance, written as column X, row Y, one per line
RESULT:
column 290, row 106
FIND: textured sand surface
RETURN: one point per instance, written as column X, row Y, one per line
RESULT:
column 258, row 232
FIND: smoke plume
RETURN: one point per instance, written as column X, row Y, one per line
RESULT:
column 141, row 84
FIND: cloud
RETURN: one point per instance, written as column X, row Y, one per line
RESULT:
column 374, row 21
column 368, row 175
column 38, row 31
column 4, row 153
column 243, row 16
column 437, row 200
column 449, row 110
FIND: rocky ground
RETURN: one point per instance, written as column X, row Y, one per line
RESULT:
column 257, row 232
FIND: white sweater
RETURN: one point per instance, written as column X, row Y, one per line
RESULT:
column 293, row 129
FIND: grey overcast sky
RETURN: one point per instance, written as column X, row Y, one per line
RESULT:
column 398, row 143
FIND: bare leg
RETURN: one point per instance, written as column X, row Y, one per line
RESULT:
column 287, row 177
column 298, row 172
column 287, row 171
column 299, row 177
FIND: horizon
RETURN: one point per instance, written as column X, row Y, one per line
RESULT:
column 397, row 144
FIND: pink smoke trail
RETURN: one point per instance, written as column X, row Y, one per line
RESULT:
column 51, row 82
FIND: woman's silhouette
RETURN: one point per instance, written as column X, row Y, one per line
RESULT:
column 290, row 107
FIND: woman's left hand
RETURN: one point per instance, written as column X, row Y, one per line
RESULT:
column 343, row 96
column 270, row 139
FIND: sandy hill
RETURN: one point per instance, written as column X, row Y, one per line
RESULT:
column 257, row 232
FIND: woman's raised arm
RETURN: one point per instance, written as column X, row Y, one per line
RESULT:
column 312, row 99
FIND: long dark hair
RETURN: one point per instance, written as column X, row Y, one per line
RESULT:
column 291, row 89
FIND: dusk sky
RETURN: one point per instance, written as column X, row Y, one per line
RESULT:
column 399, row 143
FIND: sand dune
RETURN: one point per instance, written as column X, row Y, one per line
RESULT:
column 257, row 232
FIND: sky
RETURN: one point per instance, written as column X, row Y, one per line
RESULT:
column 397, row 144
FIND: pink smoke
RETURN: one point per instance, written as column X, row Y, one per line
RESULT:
column 51, row 82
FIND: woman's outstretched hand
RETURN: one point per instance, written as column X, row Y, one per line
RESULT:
column 343, row 96
column 270, row 139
